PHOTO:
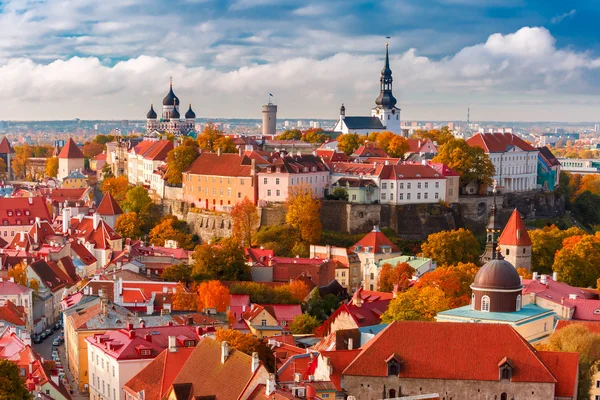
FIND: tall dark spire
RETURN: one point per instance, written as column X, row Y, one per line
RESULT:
column 492, row 230
column 386, row 99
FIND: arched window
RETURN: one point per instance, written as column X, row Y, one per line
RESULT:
column 393, row 369
column 472, row 300
column 503, row 396
column 485, row 304
column 518, row 302
column 392, row 393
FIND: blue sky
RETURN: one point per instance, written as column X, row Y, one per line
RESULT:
column 506, row 59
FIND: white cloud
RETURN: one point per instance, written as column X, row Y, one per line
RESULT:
column 497, row 74
column 560, row 18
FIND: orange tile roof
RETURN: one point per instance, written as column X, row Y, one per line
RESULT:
column 5, row 147
column 220, row 165
column 13, row 314
column 593, row 326
column 70, row 150
column 499, row 142
column 369, row 150
column 565, row 367
column 375, row 242
column 339, row 360
column 23, row 210
column 109, row 206
column 455, row 358
column 515, row 232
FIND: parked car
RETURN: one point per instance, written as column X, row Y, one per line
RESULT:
column 43, row 336
column 37, row 339
column 48, row 332
column 55, row 355
column 56, row 326
column 56, row 342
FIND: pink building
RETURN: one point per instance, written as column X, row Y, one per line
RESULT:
column 287, row 170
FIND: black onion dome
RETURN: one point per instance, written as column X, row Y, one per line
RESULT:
column 190, row 114
column 151, row 114
column 497, row 274
column 170, row 98
column 342, row 109
column 386, row 99
column 175, row 113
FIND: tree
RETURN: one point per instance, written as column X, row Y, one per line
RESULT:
column 452, row 247
column 208, row 138
column 340, row 193
column 470, row 162
column 171, row 228
column 303, row 213
column 178, row 160
column 245, row 221
column 3, row 169
column 224, row 261
column 586, row 207
column 107, row 172
column 299, row 290
column 314, row 135
column 544, row 245
column 398, row 147
column 440, row 136
column 117, row 187
column 290, row 134
column 33, row 284
column 523, row 273
column 128, row 225
column 177, row 273
column 103, row 139
column 304, row 324
column 416, row 305
column 321, row 307
column 51, row 167
column 92, row 149
column 19, row 274
column 577, row 338
column 226, row 144
column 578, row 264
column 291, row 293
column 12, row 384
column 383, row 139
column 20, row 161
column 589, row 183
column 279, row 238
column 349, row 142
column 137, row 200
column 212, row 294
column 400, row 275
column 454, row 281
column 183, row 300
column 247, row 344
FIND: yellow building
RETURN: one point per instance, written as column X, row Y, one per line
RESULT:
column 262, row 322
column 75, row 180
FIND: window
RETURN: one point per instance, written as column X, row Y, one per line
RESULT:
column 277, row 181
column 437, row 195
column 146, row 352
column 239, row 195
column 524, row 251
column 545, row 326
column 269, row 192
column 228, row 192
column 437, row 185
column 391, row 185
column 597, row 385
column 382, row 196
column 401, row 196
column 353, row 197
column 108, row 390
column 384, row 186
column 426, row 185
column 425, row 195
column 392, row 393
column 391, row 196
column 93, row 379
column 503, row 396
column 372, row 276
column 263, row 322
column 407, row 196
column 214, row 191
column 401, row 185
column 418, row 185
column 265, row 181
column 242, row 181
column 113, row 371
column 418, row 196
column 278, row 192
column 485, row 304
column 407, row 185
column 518, row 302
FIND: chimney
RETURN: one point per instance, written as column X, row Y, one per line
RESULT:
column 219, row 151
column 270, row 387
column 224, row 352
column 147, row 337
column 518, row 234
column 350, row 344
column 30, row 200
column 240, row 151
column 297, row 377
column 96, row 220
column 543, row 279
column 129, row 326
column 555, row 276
column 22, row 233
column 172, row 344
column 534, row 276
column 255, row 362
column 395, row 291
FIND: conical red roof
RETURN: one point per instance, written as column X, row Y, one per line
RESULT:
column 5, row 147
column 515, row 233
column 109, row 206
column 375, row 242
column 70, row 150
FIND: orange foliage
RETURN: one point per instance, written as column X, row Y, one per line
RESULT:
column 523, row 273
column 298, row 289
column 213, row 294
column 571, row 241
column 454, row 281
column 390, row 276
column 183, row 300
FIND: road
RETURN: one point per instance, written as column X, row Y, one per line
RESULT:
column 44, row 349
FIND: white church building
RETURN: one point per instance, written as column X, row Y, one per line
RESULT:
column 384, row 117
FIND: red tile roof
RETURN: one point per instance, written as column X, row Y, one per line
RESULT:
column 443, row 169
column 421, row 146
column 109, row 206
column 339, row 360
column 593, row 326
column 49, row 275
column 5, row 147
column 10, row 288
column 455, row 357
column 70, row 150
column 13, row 314
column 23, row 210
column 586, row 305
column 100, row 236
column 375, row 242
column 220, row 165
column 585, row 309
column 159, row 150
column 100, row 157
column 367, row 314
column 61, row 194
column 369, row 149
column 294, row 164
column 515, row 232
column 499, row 142
column 330, row 155
column 565, row 367
column 409, row 171
column 258, row 255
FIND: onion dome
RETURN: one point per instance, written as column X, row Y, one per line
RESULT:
column 386, row 99
column 342, row 110
column 170, row 98
column 190, row 114
column 174, row 113
column 151, row 114
column 497, row 274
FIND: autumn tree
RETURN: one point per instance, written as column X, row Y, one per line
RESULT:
column 577, row 338
column 52, row 167
column 3, row 169
column 416, row 305
column 92, row 149
column 12, row 384
column 103, row 139
column 184, row 300
column 224, row 261
column 177, row 273
column 452, row 247
column 279, row 238
column 290, row 134
column 20, row 161
column 212, row 139
column 128, row 225
column 398, row 147
column 171, row 228
column 117, row 186
column 349, row 142
column 544, row 245
column 440, row 136
column 524, row 273
column 226, row 145
column 178, row 160
column 34, row 285
column 107, row 172
column 212, row 294
column 303, row 213
column 291, row 293
column 247, row 344
column 137, row 200
column 298, row 289
column 245, row 221
column 314, row 135
column 470, row 162
column 578, row 263
column 454, row 281
column 589, row 183
column 19, row 274
column 400, row 275
column 304, row 324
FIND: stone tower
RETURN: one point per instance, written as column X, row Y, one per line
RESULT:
column 515, row 242
column 269, row 119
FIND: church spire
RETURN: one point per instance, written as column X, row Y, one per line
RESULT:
column 386, row 99
column 492, row 231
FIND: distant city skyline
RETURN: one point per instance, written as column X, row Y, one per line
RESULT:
column 508, row 60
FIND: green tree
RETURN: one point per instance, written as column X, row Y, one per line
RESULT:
column 416, row 305
column 107, row 171
column 304, row 324
column 545, row 243
column 224, row 261
column 349, row 142
column 177, row 273
column 452, row 247
column 12, row 384
column 340, row 193
column 103, row 139
column 321, row 307
column 279, row 238
column 178, row 160
column 440, row 136
column 586, row 208
column 137, row 200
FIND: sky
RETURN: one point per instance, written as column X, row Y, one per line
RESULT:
column 508, row 60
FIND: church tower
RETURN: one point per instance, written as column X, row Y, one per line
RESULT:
column 492, row 232
column 515, row 242
column 386, row 109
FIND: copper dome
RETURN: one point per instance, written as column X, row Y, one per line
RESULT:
column 497, row 274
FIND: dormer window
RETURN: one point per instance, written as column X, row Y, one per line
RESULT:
column 394, row 362
column 10, row 213
column 146, row 352
column 505, row 369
